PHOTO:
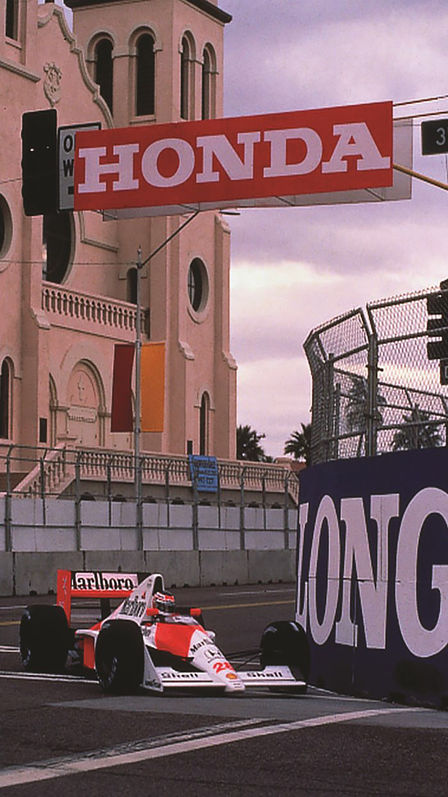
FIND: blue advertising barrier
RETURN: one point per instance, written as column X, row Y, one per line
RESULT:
column 372, row 567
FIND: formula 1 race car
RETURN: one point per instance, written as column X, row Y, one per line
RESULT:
column 147, row 642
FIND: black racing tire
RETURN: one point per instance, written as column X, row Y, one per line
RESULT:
column 119, row 657
column 44, row 639
column 286, row 643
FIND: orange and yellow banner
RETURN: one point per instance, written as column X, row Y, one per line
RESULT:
column 152, row 387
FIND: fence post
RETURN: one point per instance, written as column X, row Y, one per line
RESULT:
column 78, row 500
column 372, row 400
column 263, row 498
column 139, row 506
column 195, row 511
column 242, row 500
column 219, row 497
column 286, row 511
column 42, row 487
column 330, row 404
column 167, row 492
column 8, row 536
column 336, row 415
column 109, row 492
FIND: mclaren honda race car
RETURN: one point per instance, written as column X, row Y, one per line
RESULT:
column 148, row 642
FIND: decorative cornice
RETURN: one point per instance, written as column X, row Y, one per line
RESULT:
column 19, row 70
column 229, row 360
column 212, row 10
column 40, row 319
column 186, row 350
column 203, row 5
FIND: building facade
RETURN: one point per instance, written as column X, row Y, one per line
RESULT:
column 68, row 279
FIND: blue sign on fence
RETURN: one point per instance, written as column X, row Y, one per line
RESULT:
column 204, row 472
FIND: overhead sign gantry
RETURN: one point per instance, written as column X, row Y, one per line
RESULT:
column 323, row 156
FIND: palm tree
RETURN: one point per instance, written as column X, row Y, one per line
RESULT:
column 357, row 410
column 299, row 444
column 248, row 445
column 358, row 405
column 416, row 431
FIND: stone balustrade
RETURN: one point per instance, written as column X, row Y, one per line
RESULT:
column 93, row 309
column 55, row 469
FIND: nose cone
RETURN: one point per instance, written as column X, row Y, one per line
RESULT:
column 234, row 684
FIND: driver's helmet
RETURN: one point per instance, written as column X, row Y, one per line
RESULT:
column 164, row 602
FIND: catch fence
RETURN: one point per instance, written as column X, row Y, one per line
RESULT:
column 374, row 388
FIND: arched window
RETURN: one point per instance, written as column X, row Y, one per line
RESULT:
column 204, row 424
column 131, row 280
column 185, row 59
column 5, row 399
column 145, row 76
column 208, row 84
column 12, row 19
column 104, row 69
column 56, row 245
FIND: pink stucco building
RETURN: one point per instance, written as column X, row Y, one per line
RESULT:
column 67, row 280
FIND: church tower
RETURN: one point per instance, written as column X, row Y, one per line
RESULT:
column 158, row 61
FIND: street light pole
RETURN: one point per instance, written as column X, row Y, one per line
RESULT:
column 138, row 353
column 137, row 423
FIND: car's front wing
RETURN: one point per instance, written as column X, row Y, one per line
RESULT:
column 167, row 677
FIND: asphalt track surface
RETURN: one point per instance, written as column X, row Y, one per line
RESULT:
column 62, row 735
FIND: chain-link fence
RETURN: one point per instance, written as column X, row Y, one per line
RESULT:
column 376, row 387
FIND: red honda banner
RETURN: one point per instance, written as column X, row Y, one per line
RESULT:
column 122, row 415
column 213, row 162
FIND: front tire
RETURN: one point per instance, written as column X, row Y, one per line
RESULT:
column 44, row 639
column 286, row 643
column 119, row 657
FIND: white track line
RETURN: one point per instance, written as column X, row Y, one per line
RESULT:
column 31, row 676
column 36, row 772
column 263, row 593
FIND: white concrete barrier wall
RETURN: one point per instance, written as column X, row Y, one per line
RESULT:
column 44, row 536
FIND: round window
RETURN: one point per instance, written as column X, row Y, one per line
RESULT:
column 197, row 285
column 5, row 227
column 56, row 246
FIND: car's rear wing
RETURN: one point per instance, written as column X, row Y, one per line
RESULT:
column 93, row 584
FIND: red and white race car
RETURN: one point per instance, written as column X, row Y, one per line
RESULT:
column 147, row 642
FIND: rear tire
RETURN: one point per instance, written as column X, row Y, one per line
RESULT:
column 44, row 639
column 119, row 657
column 286, row 643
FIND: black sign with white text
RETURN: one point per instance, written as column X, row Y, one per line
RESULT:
column 372, row 562
column 434, row 136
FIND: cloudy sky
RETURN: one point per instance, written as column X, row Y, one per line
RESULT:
column 293, row 269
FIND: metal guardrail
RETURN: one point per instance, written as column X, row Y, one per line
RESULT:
column 74, row 475
column 62, row 472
